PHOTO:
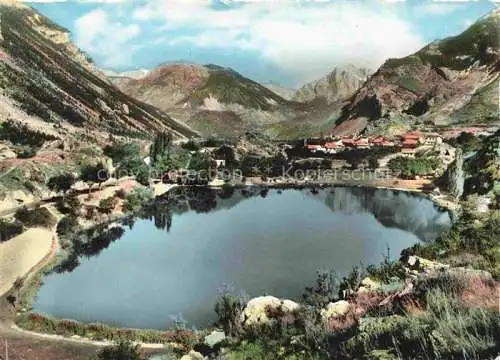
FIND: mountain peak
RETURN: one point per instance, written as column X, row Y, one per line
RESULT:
column 340, row 83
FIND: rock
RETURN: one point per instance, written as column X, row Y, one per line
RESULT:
column 368, row 285
column 214, row 338
column 424, row 265
column 335, row 309
column 7, row 153
column 125, row 109
column 193, row 355
column 257, row 311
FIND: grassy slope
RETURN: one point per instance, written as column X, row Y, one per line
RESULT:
column 229, row 87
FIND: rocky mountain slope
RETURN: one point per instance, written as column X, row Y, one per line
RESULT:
column 46, row 82
column 450, row 81
column 342, row 82
column 284, row 92
column 219, row 101
column 212, row 99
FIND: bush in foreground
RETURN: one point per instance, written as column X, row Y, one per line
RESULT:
column 124, row 350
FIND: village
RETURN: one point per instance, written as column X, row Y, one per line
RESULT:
column 406, row 144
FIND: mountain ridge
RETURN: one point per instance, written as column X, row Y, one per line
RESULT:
column 431, row 85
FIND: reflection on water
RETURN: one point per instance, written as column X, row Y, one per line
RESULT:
column 173, row 256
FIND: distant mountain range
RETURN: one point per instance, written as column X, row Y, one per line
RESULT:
column 448, row 82
column 47, row 82
column 218, row 100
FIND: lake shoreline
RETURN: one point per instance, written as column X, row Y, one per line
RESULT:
column 44, row 268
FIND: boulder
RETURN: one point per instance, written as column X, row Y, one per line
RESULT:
column 6, row 153
column 265, row 310
column 424, row 265
column 193, row 355
column 368, row 285
column 335, row 309
column 214, row 338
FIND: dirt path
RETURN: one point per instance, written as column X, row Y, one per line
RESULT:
column 24, row 255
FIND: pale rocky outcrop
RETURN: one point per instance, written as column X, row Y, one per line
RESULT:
column 335, row 309
column 214, row 338
column 420, row 264
column 368, row 285
column 257, row 311
column 193, row 355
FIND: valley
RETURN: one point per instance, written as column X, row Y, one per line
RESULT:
column 186, row 211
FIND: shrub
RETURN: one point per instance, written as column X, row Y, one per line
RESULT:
column 37, row 217
column 411, row 167
column 121, row 194
column 8, row 229
column 22, row 135
column 137, row 198
column 106, row 206
column 26, row 152
column 68, row 224
column 61, row 183
column 124, row 350
column 70, row 204
column 228, row 309
column 324, row 290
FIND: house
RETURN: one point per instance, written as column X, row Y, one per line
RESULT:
column 376, row 140
column 412, row 135
column 332, row 147
column 387, row 143
column 408, row 146
column 432, row 138
column 348, row 142
column 362, row 143
column 315, row 148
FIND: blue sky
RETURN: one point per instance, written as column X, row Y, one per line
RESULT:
column 289, row 42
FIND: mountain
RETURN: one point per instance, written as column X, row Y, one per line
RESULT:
column 47, row 83
column 285, row 93
column 212, row 99
column 133, row 74
column 339, row 84
column 448, row 82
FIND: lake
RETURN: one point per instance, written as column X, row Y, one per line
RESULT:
column 175, row 256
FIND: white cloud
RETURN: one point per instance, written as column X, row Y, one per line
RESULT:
column 428, row 8
column 303, row 39
column 95, row 33
column 75, row 1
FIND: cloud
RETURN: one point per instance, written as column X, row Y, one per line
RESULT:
column 435, row 8
column 75, row 1
column 304, row 40
column 97, row 34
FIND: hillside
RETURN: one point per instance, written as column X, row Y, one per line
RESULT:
column 450, row 81
column 339, row 84
column 211, row 99
column 56, row 87
column 284, row 92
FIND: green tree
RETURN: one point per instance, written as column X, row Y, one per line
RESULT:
column 94, row 174
column 106, row 206
column 61, row 183
column 160, row 147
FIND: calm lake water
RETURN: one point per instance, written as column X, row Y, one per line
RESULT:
column 175, row 258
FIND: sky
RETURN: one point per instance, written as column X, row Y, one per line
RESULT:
column 287, row 42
